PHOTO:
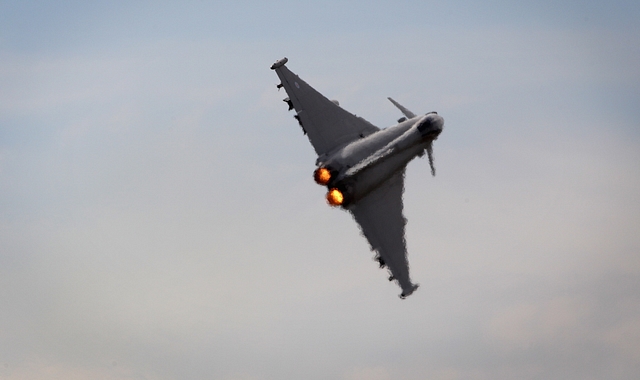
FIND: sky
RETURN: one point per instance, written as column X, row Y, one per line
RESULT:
column 158, row 217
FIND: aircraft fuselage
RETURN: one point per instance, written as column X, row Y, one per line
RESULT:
column 363, row 165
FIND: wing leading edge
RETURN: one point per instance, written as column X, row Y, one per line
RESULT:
column 327, row 125
column 379, row 215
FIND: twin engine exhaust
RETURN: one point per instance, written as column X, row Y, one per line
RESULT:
column 323, row 176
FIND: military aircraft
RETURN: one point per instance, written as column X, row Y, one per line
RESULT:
column 363, row 166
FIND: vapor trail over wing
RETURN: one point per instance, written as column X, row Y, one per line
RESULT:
column 327, row 124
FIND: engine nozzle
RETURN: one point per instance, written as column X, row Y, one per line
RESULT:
column 335, row 197
column 322, row 176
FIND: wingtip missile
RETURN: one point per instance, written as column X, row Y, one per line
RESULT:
column 279, row 63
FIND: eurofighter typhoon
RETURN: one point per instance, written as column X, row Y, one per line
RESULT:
column 363, row 166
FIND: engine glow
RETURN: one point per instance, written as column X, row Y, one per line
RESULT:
column 322, row 176
column 335, row 197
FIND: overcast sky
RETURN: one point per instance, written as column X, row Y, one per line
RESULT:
column 158, row 217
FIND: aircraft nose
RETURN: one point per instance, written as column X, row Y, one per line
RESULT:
column 431, row 125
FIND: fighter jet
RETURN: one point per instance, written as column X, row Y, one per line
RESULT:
column 363, row 166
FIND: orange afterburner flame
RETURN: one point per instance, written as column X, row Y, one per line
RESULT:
column 322, row 176
column 335, row 197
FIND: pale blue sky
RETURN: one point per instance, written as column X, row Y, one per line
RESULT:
column 158, row 219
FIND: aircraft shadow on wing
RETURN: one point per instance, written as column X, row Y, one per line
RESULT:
column 363, row 166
